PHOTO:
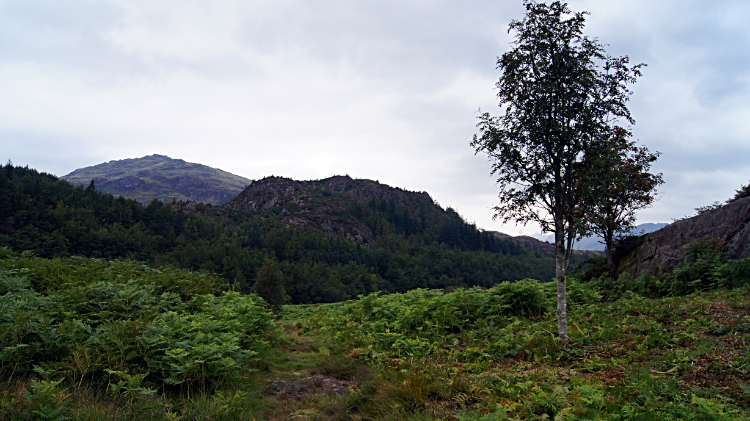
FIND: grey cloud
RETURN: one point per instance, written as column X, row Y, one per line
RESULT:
column 257, row 79
column 416, row 42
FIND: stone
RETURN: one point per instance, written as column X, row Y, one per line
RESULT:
column 664, row 249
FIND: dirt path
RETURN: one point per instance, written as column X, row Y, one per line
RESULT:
column 305, row 380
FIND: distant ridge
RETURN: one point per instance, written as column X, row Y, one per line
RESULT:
column 534, row 243
column 595, row 243
column 163, row 178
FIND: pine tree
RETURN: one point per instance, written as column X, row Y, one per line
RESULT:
column 269, row 285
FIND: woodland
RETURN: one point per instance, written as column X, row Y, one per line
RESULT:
column 52, row 218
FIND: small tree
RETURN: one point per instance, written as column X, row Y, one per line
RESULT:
column 269, row 285
column 743, row 192
column 618, row 184
column 560, row 94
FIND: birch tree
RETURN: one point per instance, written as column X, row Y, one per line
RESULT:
column 559, row 94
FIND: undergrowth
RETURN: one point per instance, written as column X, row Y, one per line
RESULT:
column 122, row 332
column 666, row 347
column 86, row 339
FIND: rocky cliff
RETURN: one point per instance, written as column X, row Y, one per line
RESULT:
column 663, row 249
column 322, row 203
column 161, row 177
column 328, row 205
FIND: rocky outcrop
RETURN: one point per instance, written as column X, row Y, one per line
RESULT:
column 663, row 249
column 316, row 204
column 269, row 193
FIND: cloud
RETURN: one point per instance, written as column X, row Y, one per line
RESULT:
column 377, row 89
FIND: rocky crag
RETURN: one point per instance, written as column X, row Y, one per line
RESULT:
column 161, row 177
column 663, row 249
column 330, row 205
column 323, row 203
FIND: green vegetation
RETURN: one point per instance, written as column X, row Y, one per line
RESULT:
column 491, row 354
column 426, row 247
column 89, row 339
column 80, row 335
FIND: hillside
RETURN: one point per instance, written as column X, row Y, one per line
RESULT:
column 333, row 239
column 161, row 177
column 664, row 249
column 596, row 243
column 90, row 339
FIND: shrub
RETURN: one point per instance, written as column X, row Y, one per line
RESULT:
column 269, row 285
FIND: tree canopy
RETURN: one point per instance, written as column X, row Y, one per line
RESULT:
column 619, row 184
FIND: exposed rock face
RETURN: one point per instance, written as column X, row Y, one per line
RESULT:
column 269, row 193
column 320, row 203
column 664, row 248
column 161, row 177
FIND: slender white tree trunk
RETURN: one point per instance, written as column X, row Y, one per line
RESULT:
column 560, row 272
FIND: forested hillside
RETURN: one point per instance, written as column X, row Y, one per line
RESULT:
column 410, row 247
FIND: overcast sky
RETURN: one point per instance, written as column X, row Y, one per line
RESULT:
column 384, row 90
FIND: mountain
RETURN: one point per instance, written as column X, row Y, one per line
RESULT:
column 594, row 243
column 161, row 177
column 538, row 245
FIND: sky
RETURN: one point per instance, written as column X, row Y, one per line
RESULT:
column 383, row 90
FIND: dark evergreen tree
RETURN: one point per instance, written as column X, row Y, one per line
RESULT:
column 269, row 285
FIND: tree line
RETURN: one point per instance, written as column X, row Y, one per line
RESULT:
column 422, row 249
